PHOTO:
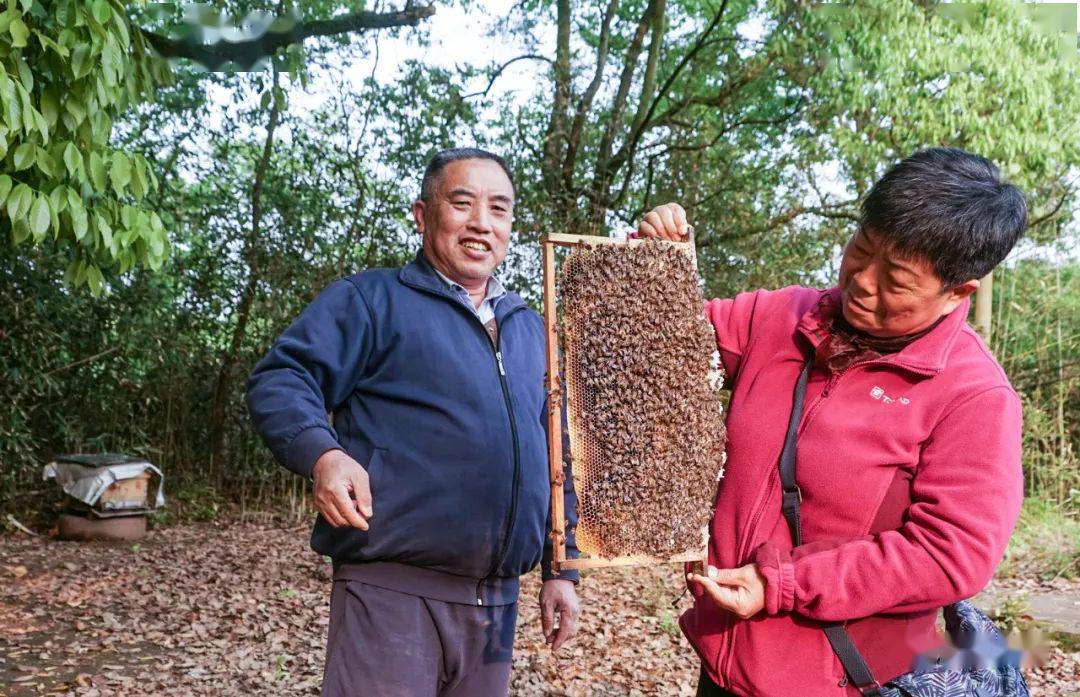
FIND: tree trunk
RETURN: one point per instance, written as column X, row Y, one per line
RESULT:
column 226, row 379
column 984, row 309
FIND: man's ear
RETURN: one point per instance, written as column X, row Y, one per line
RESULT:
column 957, row 294
column 418, row 208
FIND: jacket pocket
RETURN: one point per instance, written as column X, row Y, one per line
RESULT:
column 375, row 470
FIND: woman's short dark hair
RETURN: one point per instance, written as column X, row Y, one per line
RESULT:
column 949, row 207
column 444, row 157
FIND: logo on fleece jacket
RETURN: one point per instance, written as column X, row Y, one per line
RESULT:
column 879, row 394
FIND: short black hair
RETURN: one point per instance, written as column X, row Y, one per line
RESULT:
column 444, row 157
column 949, row 207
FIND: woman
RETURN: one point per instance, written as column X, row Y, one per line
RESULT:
column 907, row 451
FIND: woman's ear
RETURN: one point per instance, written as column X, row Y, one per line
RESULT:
column 957, row 294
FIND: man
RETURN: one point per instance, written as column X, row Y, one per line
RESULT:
column 432, row 483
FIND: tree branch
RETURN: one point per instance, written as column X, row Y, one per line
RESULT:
column 618, row 105
column 499, row 71
column 1054, row 211
column 556, row 130
column 245, row 54
column 590, row 92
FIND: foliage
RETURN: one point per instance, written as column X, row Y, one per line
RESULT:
column 69, row 70
column 767, row 120
column 1037, row 340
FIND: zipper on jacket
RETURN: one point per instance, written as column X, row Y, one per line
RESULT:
column 512, row 514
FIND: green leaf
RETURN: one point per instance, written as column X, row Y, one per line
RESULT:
column 73, row 198
column 26, row 75
column 5, row 186
column 79, row 223
column 94, row 280
column 40, row 218
column 58, row 198
column 264, row 101
column 42, row 125
column 20, row 230
column 102, row 11
column 106, row 232
column 44, row 161
column 81, row 62
column 18, row 202
column 19, row 33
column 53, row 46
column 97, row 172
column 24, row 156
column 120, row 173
column 75, row 108
column 73, row 160
column 141, row 174
column 121, row 29
column 110, row 60
column 50, row 106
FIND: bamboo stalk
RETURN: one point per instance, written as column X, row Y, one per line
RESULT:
column 555, row 454
column 565, row 240
column 984, row 306
column 635, row 560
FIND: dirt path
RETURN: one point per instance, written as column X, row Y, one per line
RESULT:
column 218, row 609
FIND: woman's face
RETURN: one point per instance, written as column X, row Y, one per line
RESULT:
column 885, row 294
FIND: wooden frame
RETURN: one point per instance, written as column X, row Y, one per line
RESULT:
column 554, row 390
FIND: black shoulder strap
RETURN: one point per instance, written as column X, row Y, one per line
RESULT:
column 857, row 670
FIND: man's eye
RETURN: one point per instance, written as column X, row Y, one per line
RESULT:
column 460, row 204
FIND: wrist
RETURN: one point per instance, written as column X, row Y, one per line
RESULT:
column 324, row 461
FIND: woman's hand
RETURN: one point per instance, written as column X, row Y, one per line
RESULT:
column 740, row 591
column 666, row 222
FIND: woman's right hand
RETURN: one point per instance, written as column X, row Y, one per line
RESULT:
column 666, row 222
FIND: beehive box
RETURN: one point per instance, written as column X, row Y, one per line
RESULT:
column 641, row 376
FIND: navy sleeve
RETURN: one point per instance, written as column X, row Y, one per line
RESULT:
column 569, row 509
column 309, row 371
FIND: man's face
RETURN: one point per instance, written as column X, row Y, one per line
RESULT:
column 885, row 294
column 466, row 224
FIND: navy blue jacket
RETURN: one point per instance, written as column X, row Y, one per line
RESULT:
column 451, row 428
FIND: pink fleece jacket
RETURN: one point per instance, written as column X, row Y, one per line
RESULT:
column 909, row 466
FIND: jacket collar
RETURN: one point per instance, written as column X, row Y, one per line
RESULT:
column 420, row 274
column 927, row 355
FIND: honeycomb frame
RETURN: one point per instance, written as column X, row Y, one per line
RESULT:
column 664, row 542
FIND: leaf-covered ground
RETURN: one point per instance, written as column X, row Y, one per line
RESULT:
column 237, row 609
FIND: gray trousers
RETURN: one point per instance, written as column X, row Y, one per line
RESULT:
column 383, row 643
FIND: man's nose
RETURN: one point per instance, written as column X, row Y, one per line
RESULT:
column 480, row 220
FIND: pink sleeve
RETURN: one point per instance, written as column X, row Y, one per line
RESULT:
column 731, row 320
column 966, row 497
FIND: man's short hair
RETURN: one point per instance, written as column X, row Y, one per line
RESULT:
column 949, row 207
column 444, row 157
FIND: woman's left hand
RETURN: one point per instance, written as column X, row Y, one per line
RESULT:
column 740, row 591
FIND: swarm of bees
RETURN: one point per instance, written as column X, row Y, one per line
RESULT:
column 646, row 427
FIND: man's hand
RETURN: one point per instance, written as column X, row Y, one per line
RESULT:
column 666, row 222
column 342, row 492
column 740, row 591
column 559, row 597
